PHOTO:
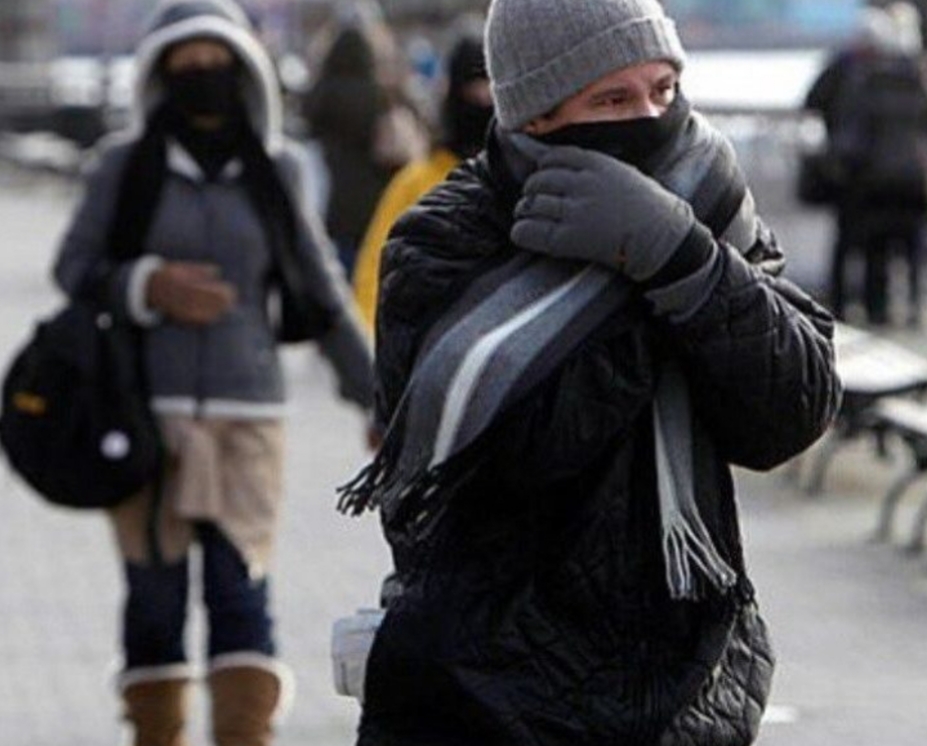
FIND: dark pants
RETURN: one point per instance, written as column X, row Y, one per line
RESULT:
column 884, row 235
column 877, row 234
column 155, row 611
column 843, row 247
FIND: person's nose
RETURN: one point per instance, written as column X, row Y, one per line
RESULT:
column 206, row 61
column 644, row 108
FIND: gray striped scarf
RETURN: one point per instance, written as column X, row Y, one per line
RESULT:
column 516, row 324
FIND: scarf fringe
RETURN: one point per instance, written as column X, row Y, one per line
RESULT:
column 377, row 485
column 691, row 558
column 361, row 493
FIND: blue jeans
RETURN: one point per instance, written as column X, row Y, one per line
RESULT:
column 155, row 610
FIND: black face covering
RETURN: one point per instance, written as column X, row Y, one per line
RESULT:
column 633, row 141
column 465, row 125
column 204, row 92
column 212, row 147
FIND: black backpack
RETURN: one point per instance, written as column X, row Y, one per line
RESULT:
column 75, row 422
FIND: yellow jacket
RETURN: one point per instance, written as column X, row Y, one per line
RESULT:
column 405, row 189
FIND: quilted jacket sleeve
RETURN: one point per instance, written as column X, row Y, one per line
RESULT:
column 760, row 360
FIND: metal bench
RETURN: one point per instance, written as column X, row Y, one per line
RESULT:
column 907, row 419
column 872, row 369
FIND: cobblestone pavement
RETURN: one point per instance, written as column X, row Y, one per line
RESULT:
column 848, row 616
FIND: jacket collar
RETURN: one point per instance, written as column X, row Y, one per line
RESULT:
column 179, row 161
column 507, row 171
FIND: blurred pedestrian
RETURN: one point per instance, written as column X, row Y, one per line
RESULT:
column 465, row 114
column 873, row 100
column 366, row 127
column 205, row 191
column 579, row 332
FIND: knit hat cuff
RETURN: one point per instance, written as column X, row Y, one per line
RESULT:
column 540, row 91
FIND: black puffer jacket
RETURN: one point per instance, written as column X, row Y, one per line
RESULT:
column 536, row 611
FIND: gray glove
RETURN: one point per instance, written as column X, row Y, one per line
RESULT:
column 584, row 205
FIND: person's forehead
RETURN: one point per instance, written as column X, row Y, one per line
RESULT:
column 645, row 72
column 203, row 44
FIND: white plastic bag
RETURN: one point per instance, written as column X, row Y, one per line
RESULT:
column 352, row 639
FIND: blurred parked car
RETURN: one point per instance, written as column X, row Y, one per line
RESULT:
column 76, row 98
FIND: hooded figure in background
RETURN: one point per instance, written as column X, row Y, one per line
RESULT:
column 366, row 129
column 579, row 332
column 465, row 114
column 192, row 230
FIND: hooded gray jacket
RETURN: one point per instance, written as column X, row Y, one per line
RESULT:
column 231, row 367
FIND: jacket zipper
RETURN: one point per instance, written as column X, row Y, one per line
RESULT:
column 202, row 334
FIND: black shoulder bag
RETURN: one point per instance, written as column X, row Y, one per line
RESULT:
column 75, row 422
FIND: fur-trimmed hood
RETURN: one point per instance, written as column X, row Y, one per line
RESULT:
column 174, row 21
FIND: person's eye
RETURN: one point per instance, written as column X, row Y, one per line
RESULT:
column 664, row 92
column 612, row 102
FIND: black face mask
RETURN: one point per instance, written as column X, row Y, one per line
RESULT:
column 210, row 92
column 465, row 125
column 634, row 141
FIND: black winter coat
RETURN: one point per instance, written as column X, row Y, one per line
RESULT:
column 536, row 611
column 342, row 111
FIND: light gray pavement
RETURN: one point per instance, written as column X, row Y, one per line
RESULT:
column 849, row 617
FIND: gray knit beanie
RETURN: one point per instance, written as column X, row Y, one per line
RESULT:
column 542, row 52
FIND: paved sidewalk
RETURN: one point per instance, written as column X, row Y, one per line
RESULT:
column 848, row 617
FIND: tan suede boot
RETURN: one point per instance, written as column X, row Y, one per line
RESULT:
column 245, row 699
column 157, row 711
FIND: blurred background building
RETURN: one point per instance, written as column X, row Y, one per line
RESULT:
column 34, row 30
column 26, row 31
column 65, row 65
